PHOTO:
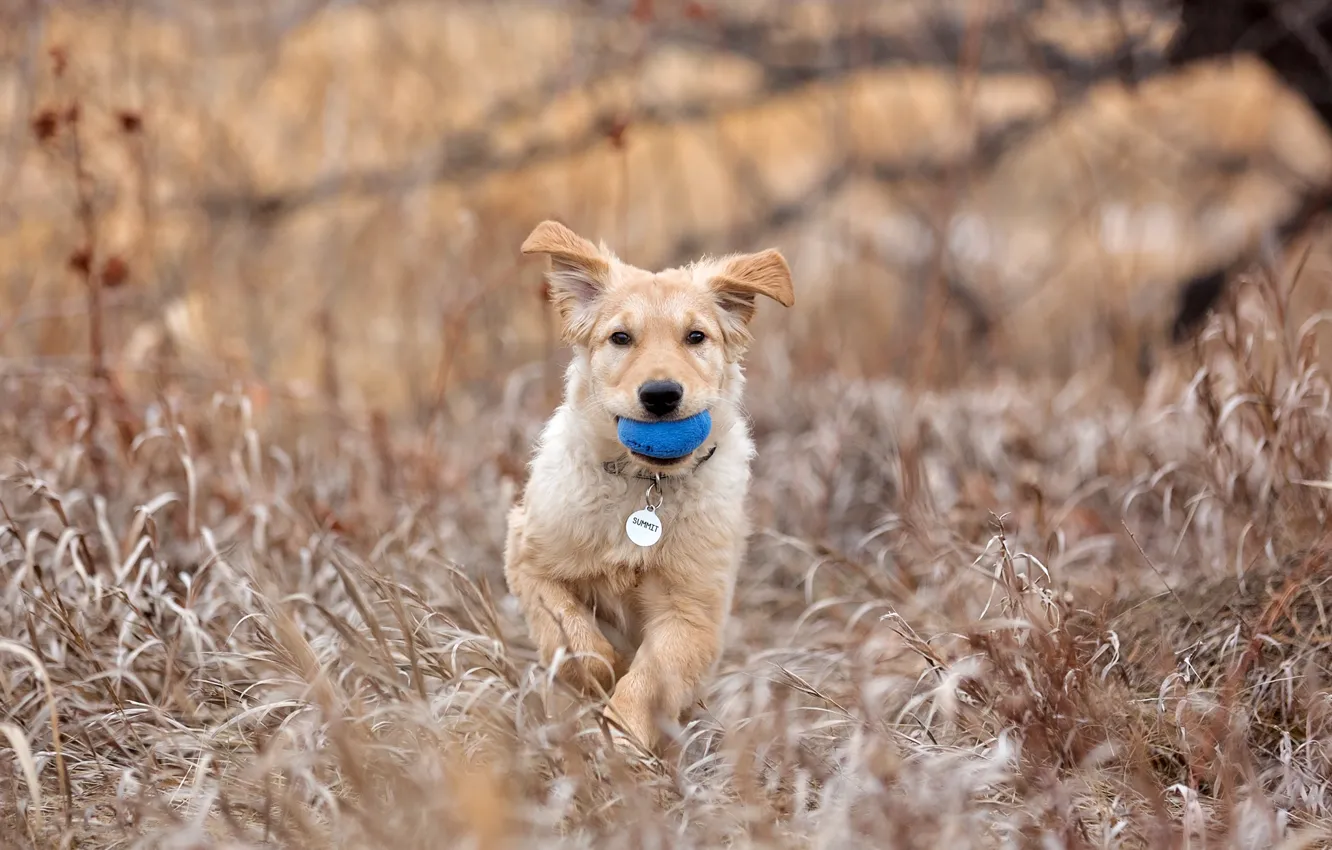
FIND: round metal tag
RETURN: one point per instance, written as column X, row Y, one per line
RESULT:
column 644, row 527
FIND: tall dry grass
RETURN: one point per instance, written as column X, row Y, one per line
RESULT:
column 1010, row 616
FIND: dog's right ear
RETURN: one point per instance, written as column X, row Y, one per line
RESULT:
column 578, row 273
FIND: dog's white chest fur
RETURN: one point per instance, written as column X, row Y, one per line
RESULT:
column 578, row 510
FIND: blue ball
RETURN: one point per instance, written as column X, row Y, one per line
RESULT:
column 665, row 440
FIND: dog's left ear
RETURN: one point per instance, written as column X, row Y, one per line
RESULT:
column 578, row 273
column 743, row 278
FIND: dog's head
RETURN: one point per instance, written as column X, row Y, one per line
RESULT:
column 658, row 345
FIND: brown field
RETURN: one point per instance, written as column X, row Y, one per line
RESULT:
column 271, row 367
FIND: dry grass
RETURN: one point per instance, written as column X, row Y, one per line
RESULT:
column 305, row 642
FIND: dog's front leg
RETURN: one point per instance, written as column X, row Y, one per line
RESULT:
column 682, row 623
column 556, row 618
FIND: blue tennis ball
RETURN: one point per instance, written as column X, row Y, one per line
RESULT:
column 665, row 440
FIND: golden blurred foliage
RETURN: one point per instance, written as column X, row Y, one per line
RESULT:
column 327, row 200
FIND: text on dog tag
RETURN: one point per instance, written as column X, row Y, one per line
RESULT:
column 644, row 527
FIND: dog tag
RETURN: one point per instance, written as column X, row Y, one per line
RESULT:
column 644, row 527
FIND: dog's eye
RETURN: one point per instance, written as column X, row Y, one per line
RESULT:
column 620, row 338
column 695, row 337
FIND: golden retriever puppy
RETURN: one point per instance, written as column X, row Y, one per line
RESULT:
column 648, row 346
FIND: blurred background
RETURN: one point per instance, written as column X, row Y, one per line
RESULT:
column 323, row 201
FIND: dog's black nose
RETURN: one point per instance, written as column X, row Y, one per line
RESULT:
column 660, row 398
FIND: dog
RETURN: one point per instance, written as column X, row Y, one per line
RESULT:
column 646, row 346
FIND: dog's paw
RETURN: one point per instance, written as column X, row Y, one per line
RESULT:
column 629, row 721
column 590, row 672
column 628, row 748
column 600, row 664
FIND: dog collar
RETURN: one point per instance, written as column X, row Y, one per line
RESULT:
column 619, row 465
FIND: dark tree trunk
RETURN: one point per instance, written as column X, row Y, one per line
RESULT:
column 1294, row 37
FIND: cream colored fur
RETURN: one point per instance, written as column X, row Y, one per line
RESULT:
column 568, row 560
